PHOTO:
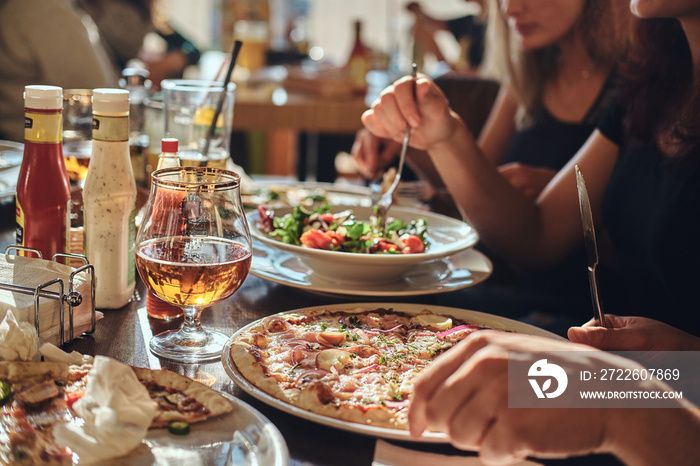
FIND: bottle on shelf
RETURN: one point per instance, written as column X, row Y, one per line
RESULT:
column 359, row 62
column 43, row 187
column 156, row 308
column 109, row 199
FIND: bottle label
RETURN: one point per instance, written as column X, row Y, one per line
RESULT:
column 19, row 218
column 43, row 127
column 358, row 68
column 131, row 249
column 110, row 128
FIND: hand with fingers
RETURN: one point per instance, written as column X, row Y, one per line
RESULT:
column 629, row 333
column 530, row 180
column 372, row 153
column 429, row 115
column 464, row 393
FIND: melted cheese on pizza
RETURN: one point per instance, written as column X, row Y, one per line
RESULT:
column 363, row 360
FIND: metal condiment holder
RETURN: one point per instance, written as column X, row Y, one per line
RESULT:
column 73, row 298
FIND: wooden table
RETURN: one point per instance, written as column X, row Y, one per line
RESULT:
column 124, row 334
column 294, row 123
column 275, row 108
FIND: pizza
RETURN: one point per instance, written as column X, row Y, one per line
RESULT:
column 38, row 395
column 355, row 365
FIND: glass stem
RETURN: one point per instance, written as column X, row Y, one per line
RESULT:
column 191, row 332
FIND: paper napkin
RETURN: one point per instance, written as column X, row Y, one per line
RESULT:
column 31, row 272
column 53, row 353
column 117, row 410
column 18, row 340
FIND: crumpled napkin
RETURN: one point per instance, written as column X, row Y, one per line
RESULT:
column 53, row 353
column 117, row 410
column 389, row 454
column 18, row 340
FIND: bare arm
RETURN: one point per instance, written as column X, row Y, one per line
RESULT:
column 529, row 234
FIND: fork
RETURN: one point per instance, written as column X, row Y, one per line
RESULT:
column 385, row 200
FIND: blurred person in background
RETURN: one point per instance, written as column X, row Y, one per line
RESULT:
column 123, row 26
column 468, row 31
column 556, row 62
column 641, row 164
column 46, row 42
column 81, row 44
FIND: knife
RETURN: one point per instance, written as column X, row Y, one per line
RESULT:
column 591, row 245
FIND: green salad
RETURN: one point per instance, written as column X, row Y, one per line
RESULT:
column 319, row 228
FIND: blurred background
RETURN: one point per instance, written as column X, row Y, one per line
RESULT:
column 303, row 80
column 304, row 24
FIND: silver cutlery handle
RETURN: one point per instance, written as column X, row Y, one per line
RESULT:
column 597, row 309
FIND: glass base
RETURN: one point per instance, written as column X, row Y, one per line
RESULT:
column 171, row 345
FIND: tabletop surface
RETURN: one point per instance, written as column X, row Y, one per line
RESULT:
column 123, row 334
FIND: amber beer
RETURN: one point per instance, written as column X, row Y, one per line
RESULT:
column 77, row 159
column 193, row 271
column 215, row 159
column 77, row 133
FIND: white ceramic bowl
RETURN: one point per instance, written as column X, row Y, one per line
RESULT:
column 446, row 236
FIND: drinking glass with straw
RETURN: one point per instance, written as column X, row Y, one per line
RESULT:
column 191, row 116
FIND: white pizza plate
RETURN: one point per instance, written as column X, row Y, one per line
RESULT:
column 446, row 236
column 477, row 318
column 241, row 437
column 455, row 272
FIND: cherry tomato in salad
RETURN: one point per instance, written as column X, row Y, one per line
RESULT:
column 321, row 239
column 336, row 238
column 384, row 245
column 412, row 244
column 328, row 218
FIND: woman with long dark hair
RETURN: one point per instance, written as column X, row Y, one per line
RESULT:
column 556, row 64
column 642, row 168
column 640, row 165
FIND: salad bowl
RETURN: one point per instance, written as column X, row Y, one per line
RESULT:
column 444, row 236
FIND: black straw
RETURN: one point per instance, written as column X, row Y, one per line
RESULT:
column 234, row 55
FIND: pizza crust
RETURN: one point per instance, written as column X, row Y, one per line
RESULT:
column 310, row 398
column 307, row 399
column 19, row 371
column 215, row 403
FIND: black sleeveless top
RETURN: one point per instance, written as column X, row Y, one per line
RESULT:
column 651, row 208
column 549, row 142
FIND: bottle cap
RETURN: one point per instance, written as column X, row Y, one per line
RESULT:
column 45, row 97
column 168, row 145
column 110, row 101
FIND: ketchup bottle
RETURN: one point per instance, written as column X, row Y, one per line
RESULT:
column 43, row 186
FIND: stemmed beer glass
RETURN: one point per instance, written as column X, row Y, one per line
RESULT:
column 193, row 250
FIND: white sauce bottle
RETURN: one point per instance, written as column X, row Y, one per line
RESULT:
column 109, row 199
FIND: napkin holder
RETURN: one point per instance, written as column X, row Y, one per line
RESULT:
column 55, row 290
